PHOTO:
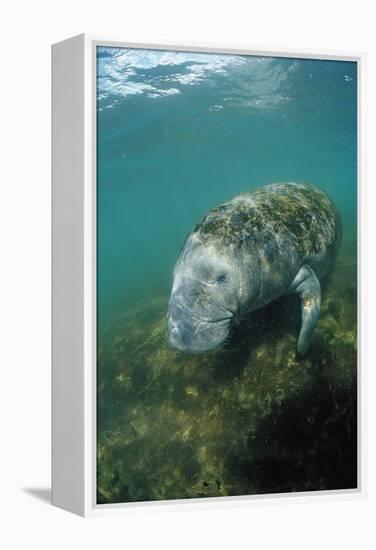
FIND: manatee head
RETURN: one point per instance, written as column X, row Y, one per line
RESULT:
column 204, row 299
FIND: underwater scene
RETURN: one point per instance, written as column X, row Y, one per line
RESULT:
column 226, row 275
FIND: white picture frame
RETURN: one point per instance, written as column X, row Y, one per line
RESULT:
column 74, row 277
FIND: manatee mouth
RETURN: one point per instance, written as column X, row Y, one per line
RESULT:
column 193, row 334
column 190, row 313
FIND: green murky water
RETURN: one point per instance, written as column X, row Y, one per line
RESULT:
column 177, row 135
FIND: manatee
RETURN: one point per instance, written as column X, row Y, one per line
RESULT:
column 277, row 240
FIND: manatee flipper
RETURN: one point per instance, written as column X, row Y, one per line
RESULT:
column 307, row 285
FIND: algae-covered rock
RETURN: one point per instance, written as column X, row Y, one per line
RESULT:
column 249, row 418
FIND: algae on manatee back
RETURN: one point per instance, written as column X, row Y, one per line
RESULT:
column 249, row 419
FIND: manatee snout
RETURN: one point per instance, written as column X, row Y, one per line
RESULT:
column 203, row 298
column 190, row 334
column 180, row 329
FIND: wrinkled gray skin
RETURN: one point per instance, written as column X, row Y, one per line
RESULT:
column 277, row 240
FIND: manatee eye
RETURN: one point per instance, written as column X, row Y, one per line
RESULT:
column 221, row 278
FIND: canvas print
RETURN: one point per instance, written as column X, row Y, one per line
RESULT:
column 227, row 275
